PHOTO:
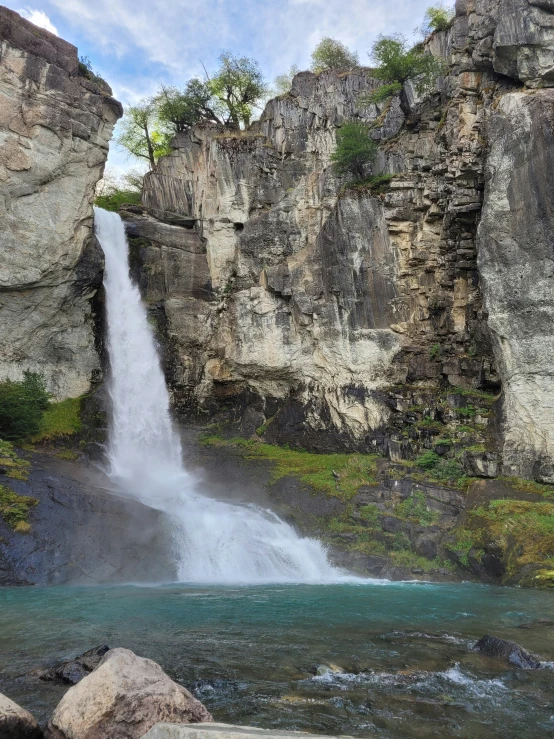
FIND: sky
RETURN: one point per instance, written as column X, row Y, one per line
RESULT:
column 137, row 44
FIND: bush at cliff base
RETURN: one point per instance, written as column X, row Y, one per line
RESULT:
column 22, row 405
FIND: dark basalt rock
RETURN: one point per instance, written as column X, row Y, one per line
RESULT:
column 492, row 646
column 74, row 671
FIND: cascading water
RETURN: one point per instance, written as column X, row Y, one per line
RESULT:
column 217, row 541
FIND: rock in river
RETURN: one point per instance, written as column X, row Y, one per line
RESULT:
column 16, row 722
column 514, row 653
column 122, row 699
column 76, row 669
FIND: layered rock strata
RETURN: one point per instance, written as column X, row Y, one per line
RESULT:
column 55, row 124
column 329, row 315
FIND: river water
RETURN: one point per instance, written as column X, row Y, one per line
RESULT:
column 249, row 653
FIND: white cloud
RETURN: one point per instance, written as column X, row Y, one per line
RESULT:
column 39, row 18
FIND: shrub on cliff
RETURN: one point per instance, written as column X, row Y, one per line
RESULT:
column 398, row 63
column 283, row 82
column 437, row 18
column 355, row 150
column 22, row 405
column 332, row 54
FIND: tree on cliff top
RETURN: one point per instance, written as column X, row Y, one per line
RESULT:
column 355, row 150
column 332, row 54
column 238, row 87
column 283, row 82
column 228, row 98
column 141, row 134
column 181, row 109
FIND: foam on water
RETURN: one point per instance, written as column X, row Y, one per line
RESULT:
column 215, row 541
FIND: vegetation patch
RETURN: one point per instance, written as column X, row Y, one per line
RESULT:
column 61, row 420
column 415, row 509
column 522, row 531
column 22, row 404
column 15, row 467
column 338, row 475
column 378, row 184
column 15, row 508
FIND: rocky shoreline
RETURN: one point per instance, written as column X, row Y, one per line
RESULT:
column 119, row 695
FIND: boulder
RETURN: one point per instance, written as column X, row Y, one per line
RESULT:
column 16, row 722
column 480, row 464
column 122, row 699
column 492, row 646
column 76, row 669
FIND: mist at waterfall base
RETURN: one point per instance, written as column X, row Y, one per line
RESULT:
column 213, row 541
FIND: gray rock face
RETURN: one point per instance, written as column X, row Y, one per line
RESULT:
column 122, row 699
column 523, row 41
column 16, row 722
column 516, row 262
column 328, row 304
column 55, row 126
column 80, row 533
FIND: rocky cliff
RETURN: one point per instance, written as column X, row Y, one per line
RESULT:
column 55, row 124
column 410, row 316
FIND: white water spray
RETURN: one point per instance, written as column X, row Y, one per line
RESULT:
column 217, row 541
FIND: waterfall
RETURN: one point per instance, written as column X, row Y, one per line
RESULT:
column 216, row 541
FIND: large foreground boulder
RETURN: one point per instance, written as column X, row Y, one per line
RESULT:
column 492, row 646
column 16, row 722
column 122, row 699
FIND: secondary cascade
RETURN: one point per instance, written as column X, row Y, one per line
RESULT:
column 215, row 541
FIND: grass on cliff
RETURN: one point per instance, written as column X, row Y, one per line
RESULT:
column 15, row 508
column 338, row 475
column 522, row 531
column 61, row 419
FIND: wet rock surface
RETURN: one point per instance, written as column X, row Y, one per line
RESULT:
column 492, row 646
column 73, row 671
column 82, row 531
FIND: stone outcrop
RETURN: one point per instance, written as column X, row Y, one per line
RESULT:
column 55, row 125
column 122, row 699
column 329, row 315
column 16, row 722
column 516, row 264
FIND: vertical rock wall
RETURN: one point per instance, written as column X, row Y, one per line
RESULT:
column 55, row 125
column 339, row 315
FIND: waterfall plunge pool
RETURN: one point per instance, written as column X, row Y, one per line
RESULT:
column 249, row 653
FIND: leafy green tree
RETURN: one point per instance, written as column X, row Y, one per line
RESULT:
column 283, row 82
column 141, row 134
column 332, row 54
column 22, row 405
column 181, row 109
column 355, row 150
column 398, row 63
column 238, row 87
column 437, row 18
